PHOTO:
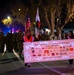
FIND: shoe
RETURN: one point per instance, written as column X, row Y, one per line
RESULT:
column 29, row 65
column 25, row 64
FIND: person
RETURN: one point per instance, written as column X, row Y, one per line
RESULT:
column 64, row 36
column 28, row 38
column 70, row 36
column 9, row 41
column 36, row 38
column 19, row 41
column 2, row 42
column 15, row 42
column 45, row 36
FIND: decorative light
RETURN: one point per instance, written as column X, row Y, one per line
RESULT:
column 7, row 21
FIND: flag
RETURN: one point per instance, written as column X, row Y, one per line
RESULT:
column 37, row 19
column 28, row 23
column 37, row 23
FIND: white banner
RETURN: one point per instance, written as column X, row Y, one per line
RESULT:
column 48, row 50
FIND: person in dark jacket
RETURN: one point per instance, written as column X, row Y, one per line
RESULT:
column 19, row 40
column 70, row 36
column 2, row 40
column 9, row 42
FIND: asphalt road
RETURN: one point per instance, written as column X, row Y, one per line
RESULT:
column 11, row 64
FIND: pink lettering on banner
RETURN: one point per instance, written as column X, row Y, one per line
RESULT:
column 54, row 50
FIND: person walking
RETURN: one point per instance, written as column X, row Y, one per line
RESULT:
column 19, row 40
column 2, row 42
column 70, row 36
column 9, row 41
column 28, row 38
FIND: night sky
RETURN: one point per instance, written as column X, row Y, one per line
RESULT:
column 4, row 4
column 3, row 8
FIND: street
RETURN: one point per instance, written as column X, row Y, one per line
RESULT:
column 11, row 64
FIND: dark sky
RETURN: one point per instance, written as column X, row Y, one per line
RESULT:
column 3, row 3
column 4, row 8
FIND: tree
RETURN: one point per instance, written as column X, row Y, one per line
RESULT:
column 54, row 14
column 19, row 11
column 65, row 13
column 57, row 13
column 48, row 14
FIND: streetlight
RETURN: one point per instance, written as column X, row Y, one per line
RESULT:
column 19, row 9
column 8, row 17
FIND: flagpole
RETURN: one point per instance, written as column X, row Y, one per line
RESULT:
column 37, row 27
column 28, row 23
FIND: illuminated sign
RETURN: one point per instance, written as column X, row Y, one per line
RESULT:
column 48, row 50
